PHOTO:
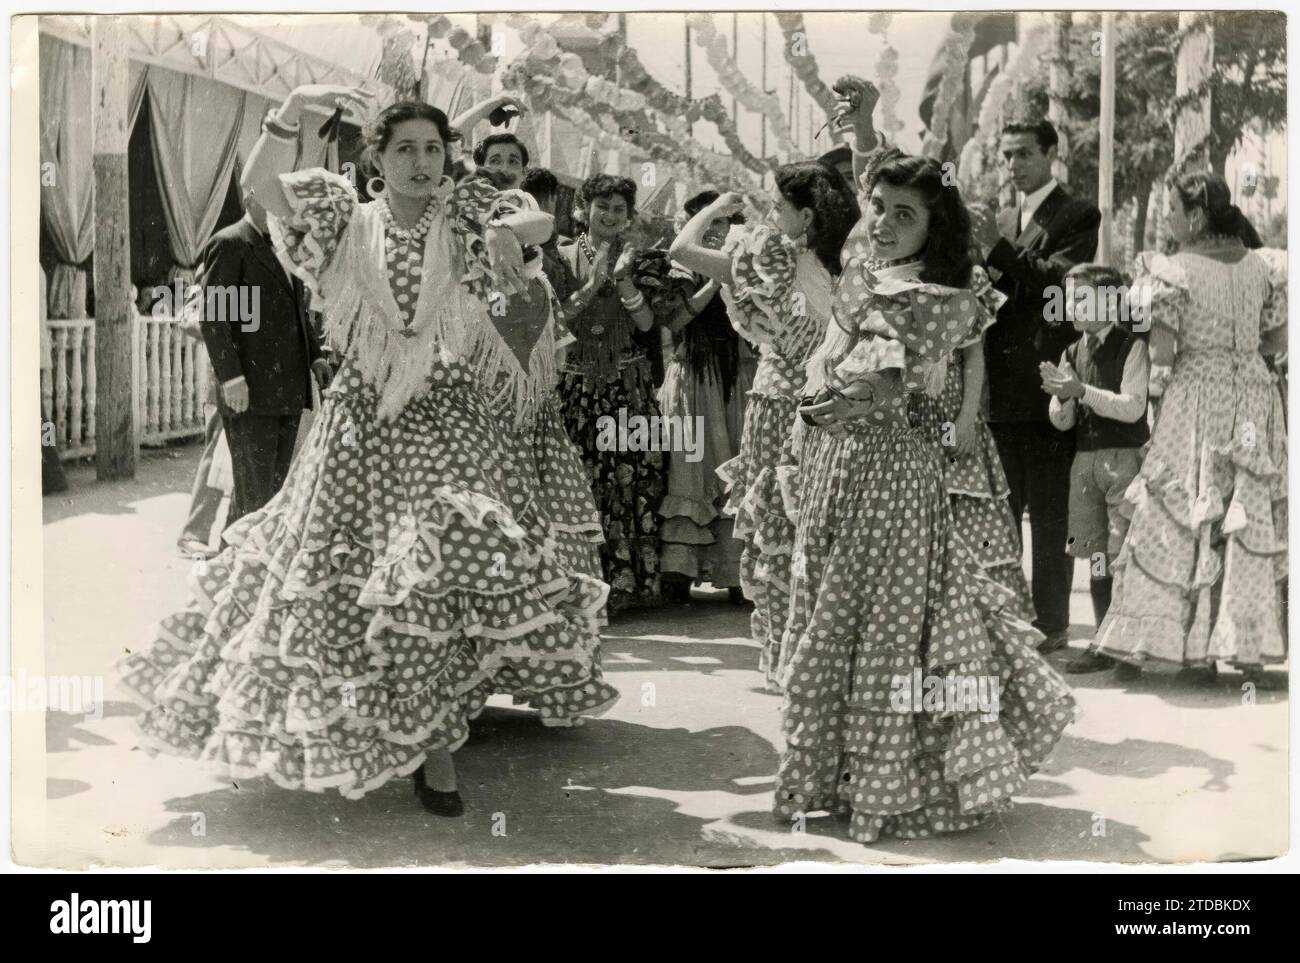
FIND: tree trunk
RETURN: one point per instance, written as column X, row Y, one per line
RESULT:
column 115, row 429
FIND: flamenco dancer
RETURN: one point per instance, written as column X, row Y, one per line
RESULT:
column 699, row 382
column 967, row 454
column 1200, row 575
column 607, row 372
column 777, row 280
column 883, row 588
column 334, row 642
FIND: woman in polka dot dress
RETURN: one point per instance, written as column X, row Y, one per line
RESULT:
column 333, row 644
column 777, row 279
column 914, row 698
column 964, row 447
column 1200, row 575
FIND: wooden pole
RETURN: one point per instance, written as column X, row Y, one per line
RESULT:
column 1106, row 141
column 115, row 429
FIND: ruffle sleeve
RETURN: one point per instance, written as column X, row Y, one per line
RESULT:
column 988, row 301
column 306, row 241
column 474, row 202
column 930, row 320
column 1274, row 314
column 763, row 270
column 1159, row 294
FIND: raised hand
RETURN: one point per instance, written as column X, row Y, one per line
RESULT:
column 326, row 98
column 727, row 204
column 856, row 103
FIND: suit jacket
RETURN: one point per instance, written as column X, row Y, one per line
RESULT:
column 1061, row 234
column 275, row 353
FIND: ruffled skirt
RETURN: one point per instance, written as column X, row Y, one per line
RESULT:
column 762, row 524
column 977, row 489
column 337, row 639
column 1200, row 575
column 695, row 536
column 914, row 697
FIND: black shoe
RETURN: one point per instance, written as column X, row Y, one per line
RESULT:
column 439, row 803
column 1054, row 642
column 675, row 590
column 1127, row 672
column 1090, row 661
column 1265, row 681
column 736, row 595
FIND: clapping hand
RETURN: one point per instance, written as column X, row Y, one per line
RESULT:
column 1060, row 382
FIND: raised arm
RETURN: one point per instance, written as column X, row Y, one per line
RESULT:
column 276, row 148
column 688, row 248
column 853, row 112
column 466, row 121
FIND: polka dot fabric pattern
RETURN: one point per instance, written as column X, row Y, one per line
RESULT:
column 884, row 593
column 1199, row 577
column 976, row 485
column 337, row 638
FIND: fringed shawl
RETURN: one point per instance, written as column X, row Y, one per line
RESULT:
column 336, row 245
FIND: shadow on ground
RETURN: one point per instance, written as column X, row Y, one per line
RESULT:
column 533, row 795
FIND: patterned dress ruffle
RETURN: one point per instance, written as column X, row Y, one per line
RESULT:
column 1200, row 575
column 339, row 637
column 780, row 301
column 888, row 610
column 888, row 607
column 977, row 485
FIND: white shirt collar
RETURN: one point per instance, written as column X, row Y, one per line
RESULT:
column 1100, row 336
column 1029, row 203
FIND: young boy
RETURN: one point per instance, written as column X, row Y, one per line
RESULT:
column 1100, row 392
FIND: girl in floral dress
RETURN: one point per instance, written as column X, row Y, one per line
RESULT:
column 1199, row 576
column 334, row 643
column 888, row 607
column 608, row 373
column 777, row 281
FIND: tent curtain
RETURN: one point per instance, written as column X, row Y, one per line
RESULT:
column 67, row 165
column 195, row 125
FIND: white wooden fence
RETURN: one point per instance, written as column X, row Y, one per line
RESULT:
column 172, row 383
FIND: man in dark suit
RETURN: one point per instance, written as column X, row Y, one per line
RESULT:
column 264, row 351
column 1046, row 234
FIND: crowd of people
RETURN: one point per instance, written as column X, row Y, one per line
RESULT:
column 872, row 388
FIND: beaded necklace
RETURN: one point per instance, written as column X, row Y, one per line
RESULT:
column 412, row 234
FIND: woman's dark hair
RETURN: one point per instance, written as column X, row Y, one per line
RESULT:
column 946, row 256
column 1209, row 192
column 481, row 149
column 605, row 185
column 541, row 183
column 809, row 185
column 380, row 131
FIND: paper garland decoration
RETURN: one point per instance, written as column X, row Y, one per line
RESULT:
column 799, row 56
column 886, row 71
column 736, row 83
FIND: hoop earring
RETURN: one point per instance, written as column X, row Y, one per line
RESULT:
column 372, row 190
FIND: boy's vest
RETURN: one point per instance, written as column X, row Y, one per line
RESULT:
column 1103, row 367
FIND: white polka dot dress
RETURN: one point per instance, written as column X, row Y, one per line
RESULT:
column 914, row 702
column 780, row 301
column 342, row 634
column 1200, row 574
